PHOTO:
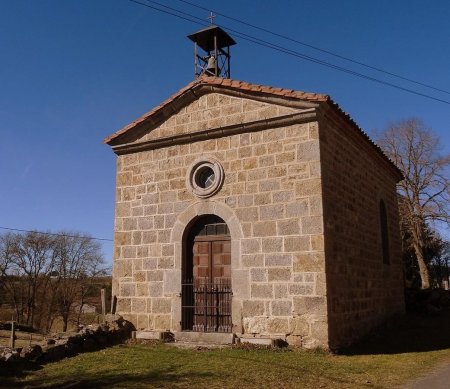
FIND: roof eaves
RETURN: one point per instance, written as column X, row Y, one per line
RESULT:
column 150, row 113
column 346, row 116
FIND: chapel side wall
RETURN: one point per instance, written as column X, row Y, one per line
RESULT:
column 362, row 290
column 273, row 187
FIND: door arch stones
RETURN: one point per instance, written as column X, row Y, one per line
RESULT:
column 206, row 277
column 179, row 235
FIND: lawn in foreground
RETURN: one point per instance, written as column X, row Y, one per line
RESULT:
column 388, row 357
column 163, row 366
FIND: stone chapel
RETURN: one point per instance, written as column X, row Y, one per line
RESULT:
column 246, row 212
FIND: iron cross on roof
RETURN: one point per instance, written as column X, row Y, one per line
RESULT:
column 211, row 17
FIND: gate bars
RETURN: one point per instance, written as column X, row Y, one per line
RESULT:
column 206, row 306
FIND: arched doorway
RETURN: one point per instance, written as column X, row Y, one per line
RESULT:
column 206, row 276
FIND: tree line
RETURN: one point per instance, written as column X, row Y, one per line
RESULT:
column 43, row 276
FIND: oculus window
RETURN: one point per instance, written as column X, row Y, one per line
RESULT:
column 205, row 177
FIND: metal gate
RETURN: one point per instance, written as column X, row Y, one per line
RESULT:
column 206, row 306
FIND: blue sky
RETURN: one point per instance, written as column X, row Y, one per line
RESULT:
column 74, row 71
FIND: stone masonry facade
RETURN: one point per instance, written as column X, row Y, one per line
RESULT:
column 300, row 197
column 362, row 291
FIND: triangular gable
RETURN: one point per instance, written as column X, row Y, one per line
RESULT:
column 210, row 111
column 203, row 98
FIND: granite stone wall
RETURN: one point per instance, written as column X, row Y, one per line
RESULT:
column 363, row 291
column 271, row 200
column 301, row 199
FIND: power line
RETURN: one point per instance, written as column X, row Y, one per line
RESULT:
column 261, row 42
column 339, row 68
column 54, row 234
column 170, row 13
column 315, row 47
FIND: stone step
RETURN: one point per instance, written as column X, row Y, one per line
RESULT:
column 199, row 345
column 263, row 341
column 204, row 337
column 257, row 341
column 152, row 335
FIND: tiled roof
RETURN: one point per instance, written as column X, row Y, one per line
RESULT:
column 225, row 82
column 249, row 87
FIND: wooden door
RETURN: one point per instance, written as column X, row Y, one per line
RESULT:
column 206, row 289
column 212, row 284
column 211, row 258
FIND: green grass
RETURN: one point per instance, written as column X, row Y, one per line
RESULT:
column 162, row 366
column 387, row 359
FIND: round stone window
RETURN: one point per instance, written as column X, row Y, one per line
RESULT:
column 205, row 177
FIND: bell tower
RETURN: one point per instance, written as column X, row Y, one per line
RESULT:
column 212, row 52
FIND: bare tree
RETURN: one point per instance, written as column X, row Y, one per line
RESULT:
column 43, row 276
column 6, row 249
column 26, row 260
column 33, row 258
column 79, row 261
column 425, row 194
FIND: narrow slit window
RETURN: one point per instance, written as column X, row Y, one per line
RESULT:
column 384, row 233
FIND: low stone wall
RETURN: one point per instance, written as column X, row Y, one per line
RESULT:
column 88, row 338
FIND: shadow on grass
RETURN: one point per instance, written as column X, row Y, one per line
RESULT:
column 412, row 333
column 155, row 378
column 10, row 372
